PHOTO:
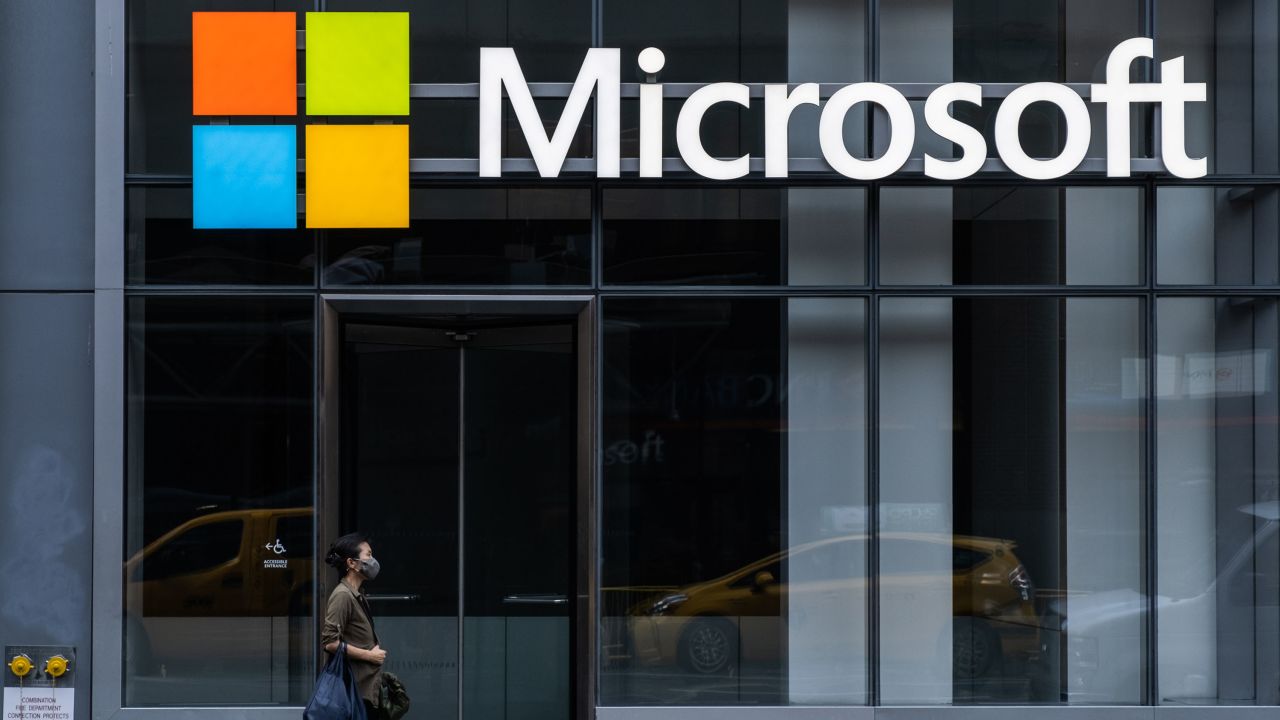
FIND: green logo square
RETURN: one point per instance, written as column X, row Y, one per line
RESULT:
column 357, row 63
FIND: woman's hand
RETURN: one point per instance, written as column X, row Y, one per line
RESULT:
column 377, row 655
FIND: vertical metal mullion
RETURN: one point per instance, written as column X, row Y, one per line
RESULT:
column 597, row 478
column 597, row 193
column 1147, row 19
column 1063, row 534
column 1148, row 543
column 1147, row 12
column 872, row 42
column 1150, row 521
column 873, row 499
column 784, row 233
column 597, row 236
column 872, row 225
column 597, row 23
column 1148, row 546
column 462, row 564
column 590, row 676
column 783, row 490
column 1062, row 66
column 873, row 443
column 584, row 623
column 319, row 403
column 872, row 271
column 1061, row 276
column 873, row 189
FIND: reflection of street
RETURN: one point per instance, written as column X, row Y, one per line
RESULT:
column 787, row 620
column 765, row 685
column 1101, row 630
column 674, row 686
column 216, row 565
column 220, row 600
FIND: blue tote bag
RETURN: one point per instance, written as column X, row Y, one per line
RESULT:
column 336, row 696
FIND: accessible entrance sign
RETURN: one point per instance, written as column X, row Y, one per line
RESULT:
column 39, row 682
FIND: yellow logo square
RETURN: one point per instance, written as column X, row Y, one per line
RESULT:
column 357, row 176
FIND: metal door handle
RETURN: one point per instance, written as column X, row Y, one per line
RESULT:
column 547, row 599
column 398, row 598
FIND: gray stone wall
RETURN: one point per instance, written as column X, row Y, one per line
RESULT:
column 46, row 326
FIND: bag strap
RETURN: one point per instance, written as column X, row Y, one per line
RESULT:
column 338, row 661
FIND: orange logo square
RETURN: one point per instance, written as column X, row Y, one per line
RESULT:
column 244, row 63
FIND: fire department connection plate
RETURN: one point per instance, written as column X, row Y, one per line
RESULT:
column 46, row 688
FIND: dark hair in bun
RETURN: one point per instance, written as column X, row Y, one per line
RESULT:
column 342, row 549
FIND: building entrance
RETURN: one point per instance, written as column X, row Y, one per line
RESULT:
column 458, row 454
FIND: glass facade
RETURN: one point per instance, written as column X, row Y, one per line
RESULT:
column 219, row 421
column 1217, row 562
column 734, row 557
column 890, row 443
column 1010, row 429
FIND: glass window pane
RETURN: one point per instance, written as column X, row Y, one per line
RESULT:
column 1002, row 41
column 516, row 145
column 517, row 236
column 727, row 130
column 161, row 247
column 449, row 128
column 1231, row 45
column 446, row 128
column 219, row 427
column 1218, row 566
column 1023, row 235
column 397, row 444
column 735, row 236
column 1011, row 465
column 1008, row 41
column 550, row 37
column 1218, row 235
column 727, row 40
column 734, row 509
column 158, row 79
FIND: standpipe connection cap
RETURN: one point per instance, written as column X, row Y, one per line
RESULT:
column 56, row 666
column 21, row 665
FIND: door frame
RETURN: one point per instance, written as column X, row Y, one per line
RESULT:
column 581, row 311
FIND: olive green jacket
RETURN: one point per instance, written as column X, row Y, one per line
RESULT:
column 345, row 620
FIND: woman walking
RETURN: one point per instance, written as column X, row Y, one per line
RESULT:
column 348, row 619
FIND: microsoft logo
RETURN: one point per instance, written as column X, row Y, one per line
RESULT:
column 245, row 64
column 357, row 64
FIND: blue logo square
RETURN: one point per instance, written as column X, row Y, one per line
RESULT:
column 244, row 176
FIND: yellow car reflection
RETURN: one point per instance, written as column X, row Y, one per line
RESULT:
column 235, row 563
column 196, row 591
column 816, row 594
